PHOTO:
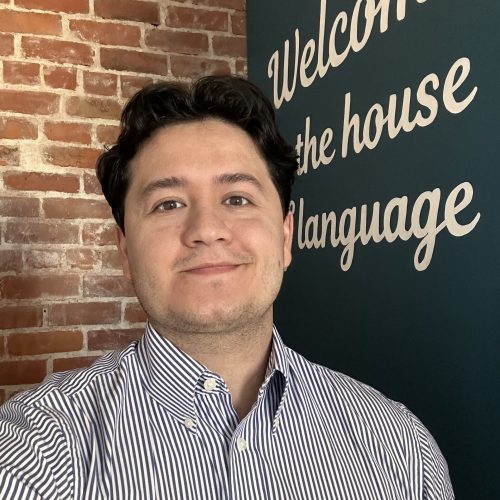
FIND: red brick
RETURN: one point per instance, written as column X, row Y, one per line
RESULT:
column 41, row 232
column 82, row 258
column 71, row 156
column 68, row 6
column 226, row 4
column 177, row 41
column 22, row 372
column 10, row 260
column 60, row 78
column 21, row 72
column 28, row 344
column 108, row 134
column 134, row 313
column 132, row 84
column 241, row 67
column 111, row 259
column 107, row 286
column 188, row 66
column 132, row 10
column 93, row 107
column 30, row 22
column 9, row 155
column 84, row 313
column 17, row 128
column 33, row 103
column 239, row 23
column 233, row 46
column 99, row 234
column 33, row 287
column 68, row 208
column 99, row 340
column 131, row 60
column 106, row 33
column 6, row 44
column 198, row 19
column 37, row 181
column 68, row 132
column 99, row 83
column 2, row 349
column 57, row 50
column 43, row 259
column 20, row 317
column 91, row 184
column 19, row 207
column 64, row 364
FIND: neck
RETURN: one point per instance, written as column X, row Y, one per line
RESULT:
column 239, row 357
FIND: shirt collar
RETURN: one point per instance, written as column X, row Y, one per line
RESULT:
column 278, row 359
column 171, row 375
column 278, row 364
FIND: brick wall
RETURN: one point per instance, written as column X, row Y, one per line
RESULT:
column 66, row 69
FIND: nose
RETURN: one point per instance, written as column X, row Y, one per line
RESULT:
column 205, row 225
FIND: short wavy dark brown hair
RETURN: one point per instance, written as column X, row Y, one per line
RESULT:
column 229, row 98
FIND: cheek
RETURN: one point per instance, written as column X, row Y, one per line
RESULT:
column 263, row 238
column 146, row 256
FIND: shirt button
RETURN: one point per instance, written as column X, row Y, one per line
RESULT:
column 189, row 423
column 210, row 384
column 241, row 443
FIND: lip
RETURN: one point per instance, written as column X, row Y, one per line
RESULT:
column 212, row 268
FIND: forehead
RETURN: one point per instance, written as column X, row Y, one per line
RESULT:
column 198, row 149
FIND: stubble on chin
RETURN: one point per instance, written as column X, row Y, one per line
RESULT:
column 221, row 321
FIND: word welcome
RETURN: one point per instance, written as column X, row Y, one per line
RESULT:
column 359, row 28
column 367, row 132
column 316, row 231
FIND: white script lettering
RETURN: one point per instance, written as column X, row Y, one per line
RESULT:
column 359, row 133
column 318, row 230
column 359, row 28
column 376, row 118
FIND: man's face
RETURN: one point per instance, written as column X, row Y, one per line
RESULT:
column 205, row 243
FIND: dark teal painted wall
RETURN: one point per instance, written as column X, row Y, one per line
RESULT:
column 429, row 338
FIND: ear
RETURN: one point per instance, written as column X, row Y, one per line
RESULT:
column 288, row 238
column 121, row 243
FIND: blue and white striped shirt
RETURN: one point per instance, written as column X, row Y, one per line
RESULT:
column 150, row 422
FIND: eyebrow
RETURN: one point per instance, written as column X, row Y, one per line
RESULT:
column 165, row 182
column 223, row 179
column 238, row 177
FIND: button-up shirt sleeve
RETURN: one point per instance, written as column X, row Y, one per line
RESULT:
column 35, row 462
column 435, row 475
column 13, row 487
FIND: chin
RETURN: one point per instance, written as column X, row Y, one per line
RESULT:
column 211, row 319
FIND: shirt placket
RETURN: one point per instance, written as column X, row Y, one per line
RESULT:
column 247, row 480
column 217, row 420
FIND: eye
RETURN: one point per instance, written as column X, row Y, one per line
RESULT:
column 167, row 205
column 236, row 201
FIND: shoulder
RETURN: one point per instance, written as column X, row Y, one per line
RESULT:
column 58, row 397
column 367, row 412
column 341, row 393
column 59, row 389
column 73, row 383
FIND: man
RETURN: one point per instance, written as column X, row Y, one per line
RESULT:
column 209, row 404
